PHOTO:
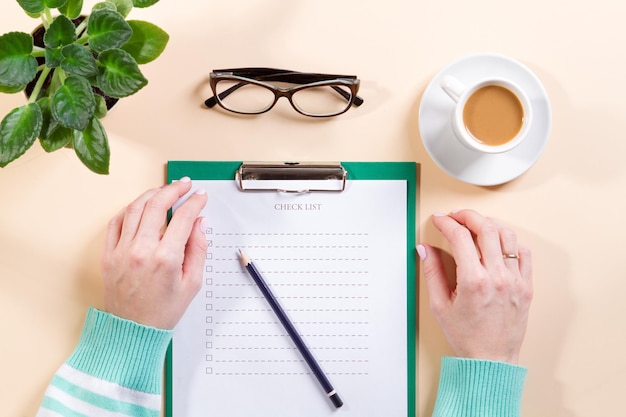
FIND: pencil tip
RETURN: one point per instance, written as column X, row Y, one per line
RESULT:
column 243, row 257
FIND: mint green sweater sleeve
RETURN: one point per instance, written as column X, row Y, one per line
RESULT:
column 479, row 388
column 116, row 369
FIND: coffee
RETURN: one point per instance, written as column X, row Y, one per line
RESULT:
column 493, row 115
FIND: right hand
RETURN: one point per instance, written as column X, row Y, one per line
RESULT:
column 485, row 315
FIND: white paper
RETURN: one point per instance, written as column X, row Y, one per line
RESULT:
column 337, row 264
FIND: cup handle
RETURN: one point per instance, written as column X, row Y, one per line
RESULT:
column 452, row 87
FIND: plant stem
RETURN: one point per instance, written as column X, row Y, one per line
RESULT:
column 42, row 78
column 46, row 18
column 38, row 52
column 81, row 28
column 60, row 76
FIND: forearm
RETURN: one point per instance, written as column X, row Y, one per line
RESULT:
column 477, row 388
column 116, row 368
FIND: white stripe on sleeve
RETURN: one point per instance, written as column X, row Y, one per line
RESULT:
column 109, row 389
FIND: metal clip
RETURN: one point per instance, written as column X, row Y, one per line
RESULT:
column 271, row 176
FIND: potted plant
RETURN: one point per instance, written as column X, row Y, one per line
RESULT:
column 83, row 62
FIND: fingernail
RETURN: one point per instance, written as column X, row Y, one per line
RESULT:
column 185, row 179
column 439, row 214
column 456, row 211
column 200, row 191
column 421, row 251
column 203, row 224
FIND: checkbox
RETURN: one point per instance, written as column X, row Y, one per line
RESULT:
column 209, row 371
column 209, row 281
column 209, row 268
column 209, row 255
column 209, row 294
column 209, row 319
column 209, row 332
column 209, row 307
column 209, row 358
column 209, row 345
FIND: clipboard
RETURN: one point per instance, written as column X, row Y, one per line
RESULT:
column 203, row 348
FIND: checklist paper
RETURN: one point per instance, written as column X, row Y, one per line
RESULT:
column 337, row 263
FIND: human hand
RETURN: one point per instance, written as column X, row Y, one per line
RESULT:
column 151, row 276
column 485, row 315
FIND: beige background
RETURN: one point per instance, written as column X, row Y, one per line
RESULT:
column 569, row 207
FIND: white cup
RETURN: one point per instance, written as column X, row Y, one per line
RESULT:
column 460, row 94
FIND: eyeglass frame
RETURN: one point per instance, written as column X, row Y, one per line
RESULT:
column 259, row 76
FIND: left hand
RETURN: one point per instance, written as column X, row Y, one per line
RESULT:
column 151, row 276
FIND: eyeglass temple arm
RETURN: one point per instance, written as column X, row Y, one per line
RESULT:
column 212, row 101
column 282, row 75
column 357, row 100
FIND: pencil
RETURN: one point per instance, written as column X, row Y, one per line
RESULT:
column 293, row 333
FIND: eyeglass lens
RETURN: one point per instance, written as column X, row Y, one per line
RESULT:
column 252, row 98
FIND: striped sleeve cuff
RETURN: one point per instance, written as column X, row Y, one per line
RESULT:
column 73, row 393
column 121, row 351
column 471, row 387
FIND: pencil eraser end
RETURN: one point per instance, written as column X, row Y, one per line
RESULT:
column 336, row 400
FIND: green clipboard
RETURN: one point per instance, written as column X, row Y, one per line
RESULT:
column 406, row 171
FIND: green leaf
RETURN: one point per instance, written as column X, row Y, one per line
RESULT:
column 144, row 3
column 32, row 7
column 77, row 60
column 48, row 122
column 18, row 131
column 53, row 136
column 72, row 8
column 17, row 66
column 104, row 5
column 73, row 104
column 147, row 43
column 57, row 139
column 54, row 4
column 119, row 74
column 12, row 89
column 101, row 107
column 123, row 6
column 60, row 33
column 107, row 29
column 53, row 57
column 92, row 147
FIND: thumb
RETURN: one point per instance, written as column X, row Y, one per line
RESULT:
column 435, row 276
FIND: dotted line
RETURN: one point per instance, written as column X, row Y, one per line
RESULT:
column 295, row 322
column 290, row 361
column 285, row 373
column 293, row 246
column 286, row 335
column 294, row 285
column 291, row 234
column 291, row 348
column 354, row 310
column 295, row 272
column 293, row 297
column 298, row 259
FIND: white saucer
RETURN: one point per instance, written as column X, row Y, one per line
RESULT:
column 450, row 155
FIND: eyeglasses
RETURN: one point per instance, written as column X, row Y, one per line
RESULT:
column 256, row 91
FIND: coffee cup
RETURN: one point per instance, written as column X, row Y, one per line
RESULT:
column 491, row 116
